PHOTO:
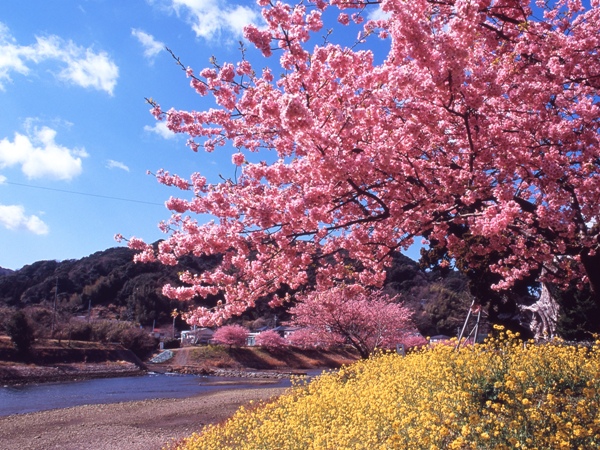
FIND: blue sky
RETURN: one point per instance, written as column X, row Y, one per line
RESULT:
column 76, row 136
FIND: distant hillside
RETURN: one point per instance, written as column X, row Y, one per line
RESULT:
column 115, row 287
column 4, row 271
column 108, row 279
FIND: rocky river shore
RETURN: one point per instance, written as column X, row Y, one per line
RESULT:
column 15, row 374
column 140, row 425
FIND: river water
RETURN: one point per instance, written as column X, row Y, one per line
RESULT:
column 44, row 396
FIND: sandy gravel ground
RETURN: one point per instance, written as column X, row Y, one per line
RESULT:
column 142, row 425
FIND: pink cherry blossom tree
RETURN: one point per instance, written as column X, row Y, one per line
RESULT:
column 350, row 314
column 271, row 340
column 232, row 335
column 309, row 338
column 445, row 114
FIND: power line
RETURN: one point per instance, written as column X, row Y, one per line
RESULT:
column 83, row 193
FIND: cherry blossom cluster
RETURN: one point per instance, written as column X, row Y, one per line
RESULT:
column 477, row 114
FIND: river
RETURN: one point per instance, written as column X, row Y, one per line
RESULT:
column 44, row 396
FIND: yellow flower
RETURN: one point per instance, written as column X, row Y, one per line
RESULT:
column 427, row 400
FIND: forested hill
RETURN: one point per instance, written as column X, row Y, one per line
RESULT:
column 108, row 279
column 116, row 287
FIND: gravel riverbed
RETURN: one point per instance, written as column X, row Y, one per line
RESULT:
column 141, row 425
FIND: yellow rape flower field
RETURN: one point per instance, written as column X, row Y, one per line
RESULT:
column 499, row 395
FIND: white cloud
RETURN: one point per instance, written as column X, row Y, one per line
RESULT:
column 2, row 179
column 152, row 47
column 210, row 18
column 160, row 128
column 379, row 14
column 13, row 217
column 112, row 164
column 10, row 58
column 40, row 156
column 95, row 70
column 81, row 66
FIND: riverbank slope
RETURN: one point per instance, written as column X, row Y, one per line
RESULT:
column 52, row 360
column 252, row 361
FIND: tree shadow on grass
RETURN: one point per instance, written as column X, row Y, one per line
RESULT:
column 253, row 358
column 263, row 359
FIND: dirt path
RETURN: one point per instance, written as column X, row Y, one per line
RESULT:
column 143, row 425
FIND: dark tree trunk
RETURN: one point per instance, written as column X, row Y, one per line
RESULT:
column 591, row 264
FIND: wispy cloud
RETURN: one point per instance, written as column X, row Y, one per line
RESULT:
column 13, row 217
column 378, row 14
column 212, row 18
column 2, row 179
column 160, row 128
column 112, row 164
column 80, row 66
column 39, row 156
column 152, row 47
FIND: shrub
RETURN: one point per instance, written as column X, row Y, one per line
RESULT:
column 131, row 337
column 498, row 395
column 232, row 335
column 20, row 332
column 101, row 330
column 80, row 331
column 412, row 341
column 271, row 340
column 138, row 341
column 40, row 318
column 171, row 343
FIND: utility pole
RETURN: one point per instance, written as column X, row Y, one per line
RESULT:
column 54, row 308
column 174, row 314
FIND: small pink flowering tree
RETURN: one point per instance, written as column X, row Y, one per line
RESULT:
column 232, row 335
column 310, row 338
column 365, row 320
column 271, row 340
column 442, row 115
column 413, row 340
